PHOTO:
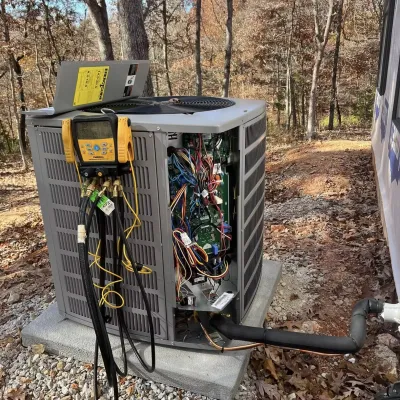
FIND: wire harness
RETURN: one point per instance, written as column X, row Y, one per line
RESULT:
column 194, row 185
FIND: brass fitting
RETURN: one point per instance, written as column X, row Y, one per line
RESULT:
column 91, row 187
column 116, row 185
column 84, row 187
column 120, row 190
column 105, row 186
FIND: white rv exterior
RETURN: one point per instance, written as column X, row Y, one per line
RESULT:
column 386, row 130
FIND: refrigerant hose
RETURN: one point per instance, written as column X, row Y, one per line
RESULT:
column 97, row 313
column 99, row 326
column 304, row 341
column 101, row 223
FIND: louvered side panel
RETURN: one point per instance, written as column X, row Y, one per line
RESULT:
column 61, row 193
column 253, row 188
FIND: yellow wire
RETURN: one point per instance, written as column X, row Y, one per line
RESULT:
column 217, row 276
column 106, row 290
column 77, row 171
column 136, row 223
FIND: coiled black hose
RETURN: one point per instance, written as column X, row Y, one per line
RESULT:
column 304, row 341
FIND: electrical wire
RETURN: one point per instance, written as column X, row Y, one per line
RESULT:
column 223, row 349
column 106, row 289
column 78, row 173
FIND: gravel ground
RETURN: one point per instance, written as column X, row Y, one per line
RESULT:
column 41, row 376
column 28, row 373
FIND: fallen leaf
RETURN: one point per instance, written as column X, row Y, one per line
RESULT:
column 271, row 391
column 130, row 390
column 15, row 394
column 269, row 365
column 37, row 349
column 298, row 382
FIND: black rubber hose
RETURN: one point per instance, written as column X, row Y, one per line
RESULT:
column 136, row 267
column 94, row 310
column 304, row 341
column 101, row 224
column 117, row 268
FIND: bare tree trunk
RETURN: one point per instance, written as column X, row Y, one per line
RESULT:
column 293, row 101
column 82, row 53
column 99, row 17
column 11, row 109
column 22, row 117
column 303, row 106
column 228, row 49
column 49, row 83
column 335, row 65
column 41, row 74
column 14, row 97
column 339, row 113
column 15, row 67
column 199, row 80
column 165, row 43
column 19, row 117
column 288, row 101
column 287, row 97
column 135, row 43
column 49, row 32
column 157, row 91
column 319, row 55
column 278, row 88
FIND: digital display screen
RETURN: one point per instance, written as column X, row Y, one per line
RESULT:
column 93, row 130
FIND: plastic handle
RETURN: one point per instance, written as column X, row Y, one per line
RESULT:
column 67, row 141
column 124, row 139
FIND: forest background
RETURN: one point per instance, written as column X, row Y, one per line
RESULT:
column 313, row 61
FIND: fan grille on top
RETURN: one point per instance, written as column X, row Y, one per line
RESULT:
column 165, row 105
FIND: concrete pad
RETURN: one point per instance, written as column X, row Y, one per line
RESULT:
column 208, row 373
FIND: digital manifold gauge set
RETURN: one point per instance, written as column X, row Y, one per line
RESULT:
column 153, row 210
column 103, row 144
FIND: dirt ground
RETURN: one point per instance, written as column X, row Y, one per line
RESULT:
column 24, row 266
column 321, row 220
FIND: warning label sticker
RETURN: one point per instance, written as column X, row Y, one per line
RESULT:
column 90, row 85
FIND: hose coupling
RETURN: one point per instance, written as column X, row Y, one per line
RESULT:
column 105, row 186
column 84, row 187
column 116, row 185
column 91, row 187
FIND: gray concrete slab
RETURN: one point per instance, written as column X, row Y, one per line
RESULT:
column 208, row 373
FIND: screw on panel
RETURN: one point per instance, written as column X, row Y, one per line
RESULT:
column 150, row 134
column 158, row 128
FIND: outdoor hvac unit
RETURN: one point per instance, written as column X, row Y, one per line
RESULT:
column 155, row 128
